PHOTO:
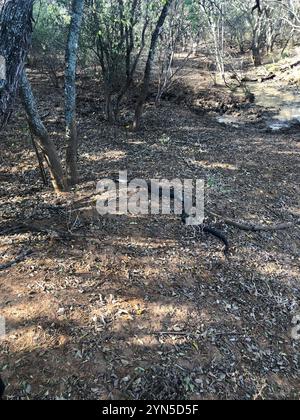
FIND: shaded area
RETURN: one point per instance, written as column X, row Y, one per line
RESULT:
column 140, row 307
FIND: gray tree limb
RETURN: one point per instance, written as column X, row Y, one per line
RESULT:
column 70, row 91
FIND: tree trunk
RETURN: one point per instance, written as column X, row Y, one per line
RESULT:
column 15, row 41
column 70, row 91
column 146, row 82
column 256, row 54
column 259, row 39
column 39, row 130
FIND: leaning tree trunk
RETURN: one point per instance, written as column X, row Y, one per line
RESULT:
column 15, row 41
column 39, row 130
column 70, row 91
column 146, row 82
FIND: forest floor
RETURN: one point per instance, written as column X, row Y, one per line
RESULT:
column 138, row 307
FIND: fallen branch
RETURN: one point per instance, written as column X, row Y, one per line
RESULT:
column 253, row 227
column 295, row 64
column 271, row 76
column 290, row 66
column 21, row 257
column 247, row 79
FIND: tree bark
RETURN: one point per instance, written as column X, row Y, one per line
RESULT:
column 146, row 82
column 39, row 130
column 70, row 91
column 256, row 54
column 258, row 40
column 15, row 41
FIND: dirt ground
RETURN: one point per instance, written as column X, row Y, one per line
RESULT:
column 145, row 307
